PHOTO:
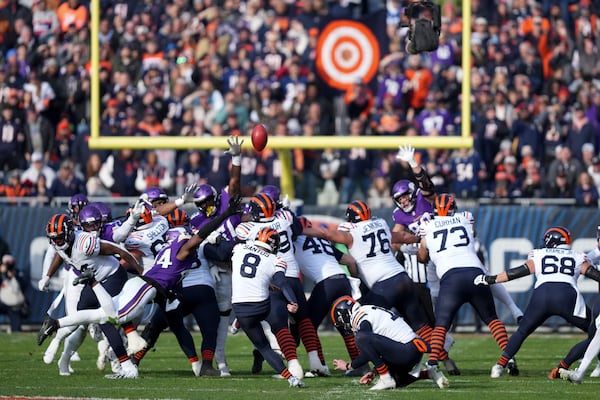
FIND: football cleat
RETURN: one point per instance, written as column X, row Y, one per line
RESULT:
column 385, row 382
column 127, row 372
column 295, row 382
column 258, row 361
column 497, row 371
column 596, row 372
column 224, row 370
column 572, row 376
column 295, row 368
column 553, row 374
column 208, row 370
column 196, row 367
column 451, row 367
column 75, row 357
column 437, row 376
column 512, row 368
column 49, row 326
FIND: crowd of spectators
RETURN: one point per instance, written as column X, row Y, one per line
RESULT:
column 206, row 67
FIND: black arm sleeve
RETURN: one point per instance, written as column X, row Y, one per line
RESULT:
column 337, row 253
column 518, row 272
column 296, row 227
column 593, row 273
column 424, row 183
column 212, row 225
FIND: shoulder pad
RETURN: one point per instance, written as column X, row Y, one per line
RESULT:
column 243, row 230
column 87, row 243
column 346, row 226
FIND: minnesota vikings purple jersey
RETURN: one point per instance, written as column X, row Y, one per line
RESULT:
column 167, row 270
column 412, row 219
column 107, row 230
column 227, row 227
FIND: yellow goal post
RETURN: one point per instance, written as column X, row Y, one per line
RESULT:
column 281, row 144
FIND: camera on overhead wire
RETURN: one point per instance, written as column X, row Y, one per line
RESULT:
column 424, row 25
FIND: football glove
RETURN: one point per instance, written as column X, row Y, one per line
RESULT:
column 188, row 195
column 484, row 280
column 214, row 237
column 407, row 153
column 235, row 146
column 138, row 209
column 44, row 283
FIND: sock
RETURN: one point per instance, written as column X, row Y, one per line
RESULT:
column 498, row 331
column 309, row 337
column 222, row 331
column 287, row 344
column 208, row 355
column 437, row 343
column 351, row 346
column 105, row 300
column 74, row 340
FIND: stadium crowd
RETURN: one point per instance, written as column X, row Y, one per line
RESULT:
column 202, row 67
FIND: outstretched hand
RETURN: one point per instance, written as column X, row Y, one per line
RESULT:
column 407, row 153
column 235, row 146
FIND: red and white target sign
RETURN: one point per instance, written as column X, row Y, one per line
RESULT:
column 346, row 51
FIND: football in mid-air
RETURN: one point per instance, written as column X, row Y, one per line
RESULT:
column 260, row 136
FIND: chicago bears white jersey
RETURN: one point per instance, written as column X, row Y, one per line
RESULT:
column 201, row 275
column 384, row 322
column 557, row 265
column 451, row 243
column 371, row 248
column 252, row 269
column 149, row 240
column 316, row 258
column 85, row 254
column 282, row 223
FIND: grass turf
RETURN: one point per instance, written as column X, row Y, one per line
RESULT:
column 165, row 373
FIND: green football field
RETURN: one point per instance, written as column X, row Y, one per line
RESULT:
column 165, row 373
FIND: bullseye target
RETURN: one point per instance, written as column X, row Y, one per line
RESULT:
column 346, row 51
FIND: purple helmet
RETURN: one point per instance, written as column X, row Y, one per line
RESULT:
column 156, row 194
column 104, row 210
column 90, row 218
column 401, row 188
column 76, row 203
column 206, row 199
column 273, row 192
column 175, row 233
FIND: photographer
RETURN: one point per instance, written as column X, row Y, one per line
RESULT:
column 12, row 293
column 424, row 24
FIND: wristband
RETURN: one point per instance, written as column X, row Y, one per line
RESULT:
column 236, row 160
column 179, row 202
column 348, row 366
column 490, row 279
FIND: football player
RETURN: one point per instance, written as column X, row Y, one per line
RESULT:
column 556, row 267
column 120, row 308
column 211, row 204
column 369, row 241
column 84, row 250
column 261, row 209
column 319, row 262
column 255, row 266
column 413, row 205
column 447, row 240
column 592, row 342
column 160, row 199
column 384, row 339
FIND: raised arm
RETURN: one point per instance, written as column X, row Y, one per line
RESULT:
column 235, row 150
column 330, row 234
